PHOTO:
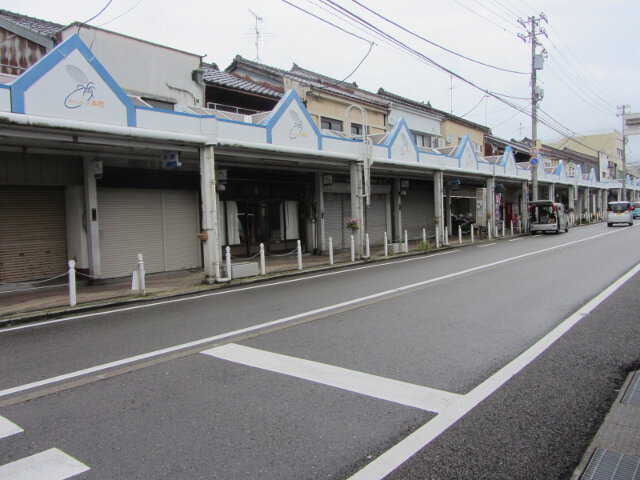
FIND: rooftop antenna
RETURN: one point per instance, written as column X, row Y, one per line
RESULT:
column 256, row 30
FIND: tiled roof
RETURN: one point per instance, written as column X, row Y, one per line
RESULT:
column 224, row 79
column 41, row 27
column 407, row 101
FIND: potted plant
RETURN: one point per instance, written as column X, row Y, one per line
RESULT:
column 353, row 224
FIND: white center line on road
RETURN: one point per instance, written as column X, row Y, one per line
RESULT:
column 280, row 321
column 487, row 245
column 515, row 239
column 401, row 452
column 8, row 428
column 391, row 390
column 51, row 464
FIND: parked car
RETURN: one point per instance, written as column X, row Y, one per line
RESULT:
column 636, row 210
column 620, row 212
column 547, row 216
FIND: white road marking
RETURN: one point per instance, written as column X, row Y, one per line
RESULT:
column 515, row 239
column 487, row 245
column 8, row 428
column 280, row 321
column 51, row 464
column 401, row 452
column 395, row 391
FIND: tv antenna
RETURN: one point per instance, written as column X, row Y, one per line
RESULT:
column 256, row 30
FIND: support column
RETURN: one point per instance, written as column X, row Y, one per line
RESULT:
column 396, row 204
column 447, row 209
column 321, row 241
column 437, row 203
column 524, row 207
column 491, row 203
column 572, row 204
column 600, row 204
column 552, row 192
column 587, row 206
column 357, row 207
column 91, row 168
column 211, row 248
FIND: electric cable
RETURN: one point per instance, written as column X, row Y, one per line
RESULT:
column 121, row 15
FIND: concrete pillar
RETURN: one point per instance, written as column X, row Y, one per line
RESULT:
column 77, row 244
column 524, row 207
column 92, row 168
column 572, row 204
column 587, row 203
column 357, row 206
column 552, row 192
column 321, row 241
column 208, row 192
column 491, row 203
column 447, row 209
column 396, row 205
column 437, row 203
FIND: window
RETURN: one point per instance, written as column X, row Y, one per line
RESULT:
column 330, row 124
column 159, row 104
column 356, row 129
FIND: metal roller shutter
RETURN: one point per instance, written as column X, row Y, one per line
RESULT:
column 33, row 239
column 376, row 214
column 334, row 220
column 162, row 225
column 417, row 213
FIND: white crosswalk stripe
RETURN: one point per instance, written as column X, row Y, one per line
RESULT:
column 8, row 428
column 51, row 464
column 371, row 385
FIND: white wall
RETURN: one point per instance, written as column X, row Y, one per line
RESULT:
column 143, row 68
column 416, row 122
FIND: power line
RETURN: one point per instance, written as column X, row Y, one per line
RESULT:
column 433, row 43
column 122, row 14
column 484, row 18
column 99, row 13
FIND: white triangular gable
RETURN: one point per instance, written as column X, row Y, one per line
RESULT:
column 466, row 155
column 70, row 83
column 401, row 144
column 290, row 124
column 509, row 162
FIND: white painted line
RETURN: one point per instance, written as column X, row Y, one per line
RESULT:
column 8, row 428
column 487, row 245
column 280, row 321
column 401, row 452
column 515, row 239
column 51, row 464
column 363, row 383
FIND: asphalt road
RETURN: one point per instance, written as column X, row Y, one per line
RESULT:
column 319, row 376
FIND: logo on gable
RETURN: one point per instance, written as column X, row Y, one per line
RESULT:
column 405, row 143
column 296, row 129
column 84, row 92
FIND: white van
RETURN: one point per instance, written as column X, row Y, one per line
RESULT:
column 619, row 212
column 547, row 216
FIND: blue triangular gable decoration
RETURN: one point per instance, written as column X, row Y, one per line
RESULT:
column 401, row 144
column 74, row 88
column 466, row 154
column 291, row 123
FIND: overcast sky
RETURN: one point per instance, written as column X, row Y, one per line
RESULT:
column 593, row 62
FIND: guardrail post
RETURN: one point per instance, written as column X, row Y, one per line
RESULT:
column 72, row 283
column 367, row 248
column 386, row 245
column 227, row 257
column 299, row 247
column 446, row 235
column 437, row 238
column 424, row 235
column 472, row 234
column 330, row 251
column 263, row 269
column 460, row 234
column 406, row 242
column 141, row 284
column 512, row 228
column 503, row 228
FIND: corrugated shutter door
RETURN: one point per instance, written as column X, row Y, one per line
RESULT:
column 33, row 238
column 417, row 213
column 334, row 221
column 130, row 223
column 376, row 214
column 181, row 222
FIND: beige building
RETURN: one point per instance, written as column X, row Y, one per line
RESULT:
column 454, row 128
column 606, row 146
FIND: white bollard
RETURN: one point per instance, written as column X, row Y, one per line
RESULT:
column 446, row 235
column 386, row 245
column 489, row 230
column 424, row 235
column 503, row 228
column 353, row 249
column 227, row 255
column 367, row 249
column 72, row 283
column 512, row 228
column 299, row 247
column 406, row 242
column 460, row 234
column 141, row 285
column 330, row 251
column 519, row 226
column 263, row 269
column 437, row 238
column 472, row 239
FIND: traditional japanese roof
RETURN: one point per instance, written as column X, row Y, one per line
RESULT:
column 214, row 76
column 36, row 25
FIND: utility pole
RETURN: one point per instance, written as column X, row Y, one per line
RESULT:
column 533, row 29
column 623, row 111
